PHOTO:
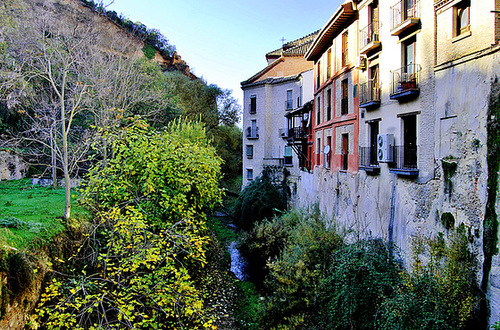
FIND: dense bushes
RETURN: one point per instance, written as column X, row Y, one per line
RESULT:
column 149, row 237
column 316, row 279
column 262, row 198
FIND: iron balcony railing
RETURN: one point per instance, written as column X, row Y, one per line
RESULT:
column 272, row 161
column 369, row 34
column 405, row 79
column 297, row 133
column 369, row 92
column 368, row 157
column 404, row 10
column 405, row 157
column 252, row 132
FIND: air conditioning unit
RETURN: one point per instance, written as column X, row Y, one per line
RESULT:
column 360, row 62
column 385, row 148
column 283, row 132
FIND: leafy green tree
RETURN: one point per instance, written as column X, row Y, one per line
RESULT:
column 262, row 198
column 361, row 277
column 150, row 235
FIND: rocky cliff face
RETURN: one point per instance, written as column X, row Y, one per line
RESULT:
column 76, row 12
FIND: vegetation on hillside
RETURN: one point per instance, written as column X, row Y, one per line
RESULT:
column 318, row 277
column 138, row 267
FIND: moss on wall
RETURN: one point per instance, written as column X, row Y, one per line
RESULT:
column 490, row 226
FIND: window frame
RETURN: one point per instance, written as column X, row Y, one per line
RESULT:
column 344, row 105
column 250, row 174
column 458, row 28
column 345, row 48
column 249, row 148
column 253, row 104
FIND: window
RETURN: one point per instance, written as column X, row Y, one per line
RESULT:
column 328, row 151
column 253, row 104
column 328, row 104
column 374, row 21
column 374, row 88
column 318, row 151
column 318, row 111
column 344, row 163
column 373, row 126
column 288, row 156
column 289, row 99
column 344, row 107
column 249, row 151
column 345, row 48
column 318, row 75
column 410, row 141
column 409, row 9
column 249, row 174
column 328, row 63
column 462, row 18
column 409, row 56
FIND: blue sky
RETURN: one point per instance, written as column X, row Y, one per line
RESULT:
column 225, row 41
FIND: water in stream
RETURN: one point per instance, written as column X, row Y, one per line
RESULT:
column 238, row 263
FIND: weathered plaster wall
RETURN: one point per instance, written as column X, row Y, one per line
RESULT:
column 11, row 166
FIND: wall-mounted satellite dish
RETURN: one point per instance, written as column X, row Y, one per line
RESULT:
column 327, row 150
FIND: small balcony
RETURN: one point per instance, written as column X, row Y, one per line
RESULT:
column 368, row 160
column 369, row 95
column 405, row 83
column 404, row 16
column 272, row 161
column 369, row 38
column 405, row 161
column 252, row 133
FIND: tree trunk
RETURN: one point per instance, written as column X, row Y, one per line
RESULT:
column 53, row 160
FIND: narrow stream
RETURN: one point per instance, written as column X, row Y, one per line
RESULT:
column 238, row 263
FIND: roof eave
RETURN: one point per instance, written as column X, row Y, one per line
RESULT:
column 331, row 29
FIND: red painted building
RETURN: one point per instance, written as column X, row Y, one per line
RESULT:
column 335, row 117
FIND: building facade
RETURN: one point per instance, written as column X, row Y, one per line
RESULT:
column 281, row 88
column 335, row 119
column 421, row 93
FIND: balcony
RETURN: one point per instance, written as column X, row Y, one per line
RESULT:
column 252, row 133
column 369, row 38
column 271, row 161
column 405, row 83
column 369, row 95
column 368, row 160
column 404, row 16
column 405, row 161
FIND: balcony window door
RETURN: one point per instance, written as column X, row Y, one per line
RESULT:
column 345, row 48
column 409, row 9
column 374, row 21
column 373, row 126
column 409, row 56
column 328, row 104
column 345, row 152
column 410, row 141
column 344, row 107
column 374, row 79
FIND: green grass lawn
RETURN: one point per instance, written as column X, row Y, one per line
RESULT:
column 32, row 214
